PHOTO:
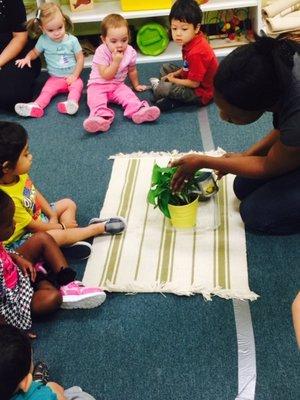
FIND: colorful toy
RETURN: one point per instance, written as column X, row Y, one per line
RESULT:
column 152, row 39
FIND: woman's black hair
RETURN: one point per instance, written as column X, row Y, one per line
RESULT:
column 186, row 11
column 254, row 76
column 15, row 360
column 13, row 139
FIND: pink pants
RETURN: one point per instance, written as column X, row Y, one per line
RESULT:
column 56, row 85
column 98, row 95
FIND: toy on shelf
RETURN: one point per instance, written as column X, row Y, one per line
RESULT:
column 230, row 25
column 152, row 39
column 81, row 5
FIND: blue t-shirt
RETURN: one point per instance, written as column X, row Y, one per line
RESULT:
column 59, row 56
column 37, row 391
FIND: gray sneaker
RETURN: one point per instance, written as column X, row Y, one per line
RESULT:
column 112, row 226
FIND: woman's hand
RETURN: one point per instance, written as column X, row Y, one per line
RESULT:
column 140, row 88
column 187, row 166
column 22, row 62
column 27, row 268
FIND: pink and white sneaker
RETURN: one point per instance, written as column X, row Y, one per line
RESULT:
column 146, row 114
column 67, row 107
column 97, row 124
column 29, row 110
column 76, row 295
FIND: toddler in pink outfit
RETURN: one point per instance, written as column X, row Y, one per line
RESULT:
column 113, row 61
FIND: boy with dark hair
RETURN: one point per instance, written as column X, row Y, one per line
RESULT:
column 17, row 376
column 193, row 82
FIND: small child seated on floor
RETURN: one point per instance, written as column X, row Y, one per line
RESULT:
column 193, row 83
column 26, row 288
column 113, row 60
column 64, row 60
column 16, row 372
column 33, row 213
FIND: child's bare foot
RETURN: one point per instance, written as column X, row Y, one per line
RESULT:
column 96, row 124
column 29, row 110
column 67, row 107
column 146, row 114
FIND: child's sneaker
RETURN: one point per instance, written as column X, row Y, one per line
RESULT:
column 67, row 107
column 29, row 110
column 76, row 295
column 79, row 250
column 154, row 82
column 112, row 226
column 96, row 124
column 41, row 372
column 167, row 104
column 146, row 114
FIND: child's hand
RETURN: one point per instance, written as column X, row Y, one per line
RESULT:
column 70, row 79
column 117, row 56
column 140, row 88
column 27, row 268
column 22, row 62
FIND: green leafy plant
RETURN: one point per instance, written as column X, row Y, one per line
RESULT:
column 161, row 194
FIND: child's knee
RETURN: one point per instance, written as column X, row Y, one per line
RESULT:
column 69, row 204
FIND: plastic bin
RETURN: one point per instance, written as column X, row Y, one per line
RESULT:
column 134, row 5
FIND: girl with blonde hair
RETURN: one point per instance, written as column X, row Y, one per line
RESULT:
column 64, row 60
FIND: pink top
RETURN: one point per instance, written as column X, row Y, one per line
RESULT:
column 103, row 56
column 10, row 270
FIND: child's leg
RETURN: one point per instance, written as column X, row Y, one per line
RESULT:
column 138, row 110
column 71, row 105
column 46, row 299
column 52, row 87
column 167, row 68
column 296, row 317
column 66, row 211
column 101, row 116
column 42, row 246
column 75, row 90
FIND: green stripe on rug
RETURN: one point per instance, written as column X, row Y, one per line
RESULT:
column 221, row 258
column 166, row 255
column 116, row 244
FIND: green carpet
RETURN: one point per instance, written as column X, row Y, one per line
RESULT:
column 152, row 346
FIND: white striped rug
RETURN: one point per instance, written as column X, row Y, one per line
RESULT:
column 153, row 257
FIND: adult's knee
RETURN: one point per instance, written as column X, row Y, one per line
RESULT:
column 260, row 218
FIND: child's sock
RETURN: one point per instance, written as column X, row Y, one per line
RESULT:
column 29, row 110
column 67, row 107
column 96, row 124
column 154, row 82
column 146, row 114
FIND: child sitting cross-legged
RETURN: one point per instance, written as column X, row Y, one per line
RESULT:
column 193, row 82
column 36, row 279
column 33, row 213
column 19, row 380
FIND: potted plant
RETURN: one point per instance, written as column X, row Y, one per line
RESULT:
column 180, row 208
